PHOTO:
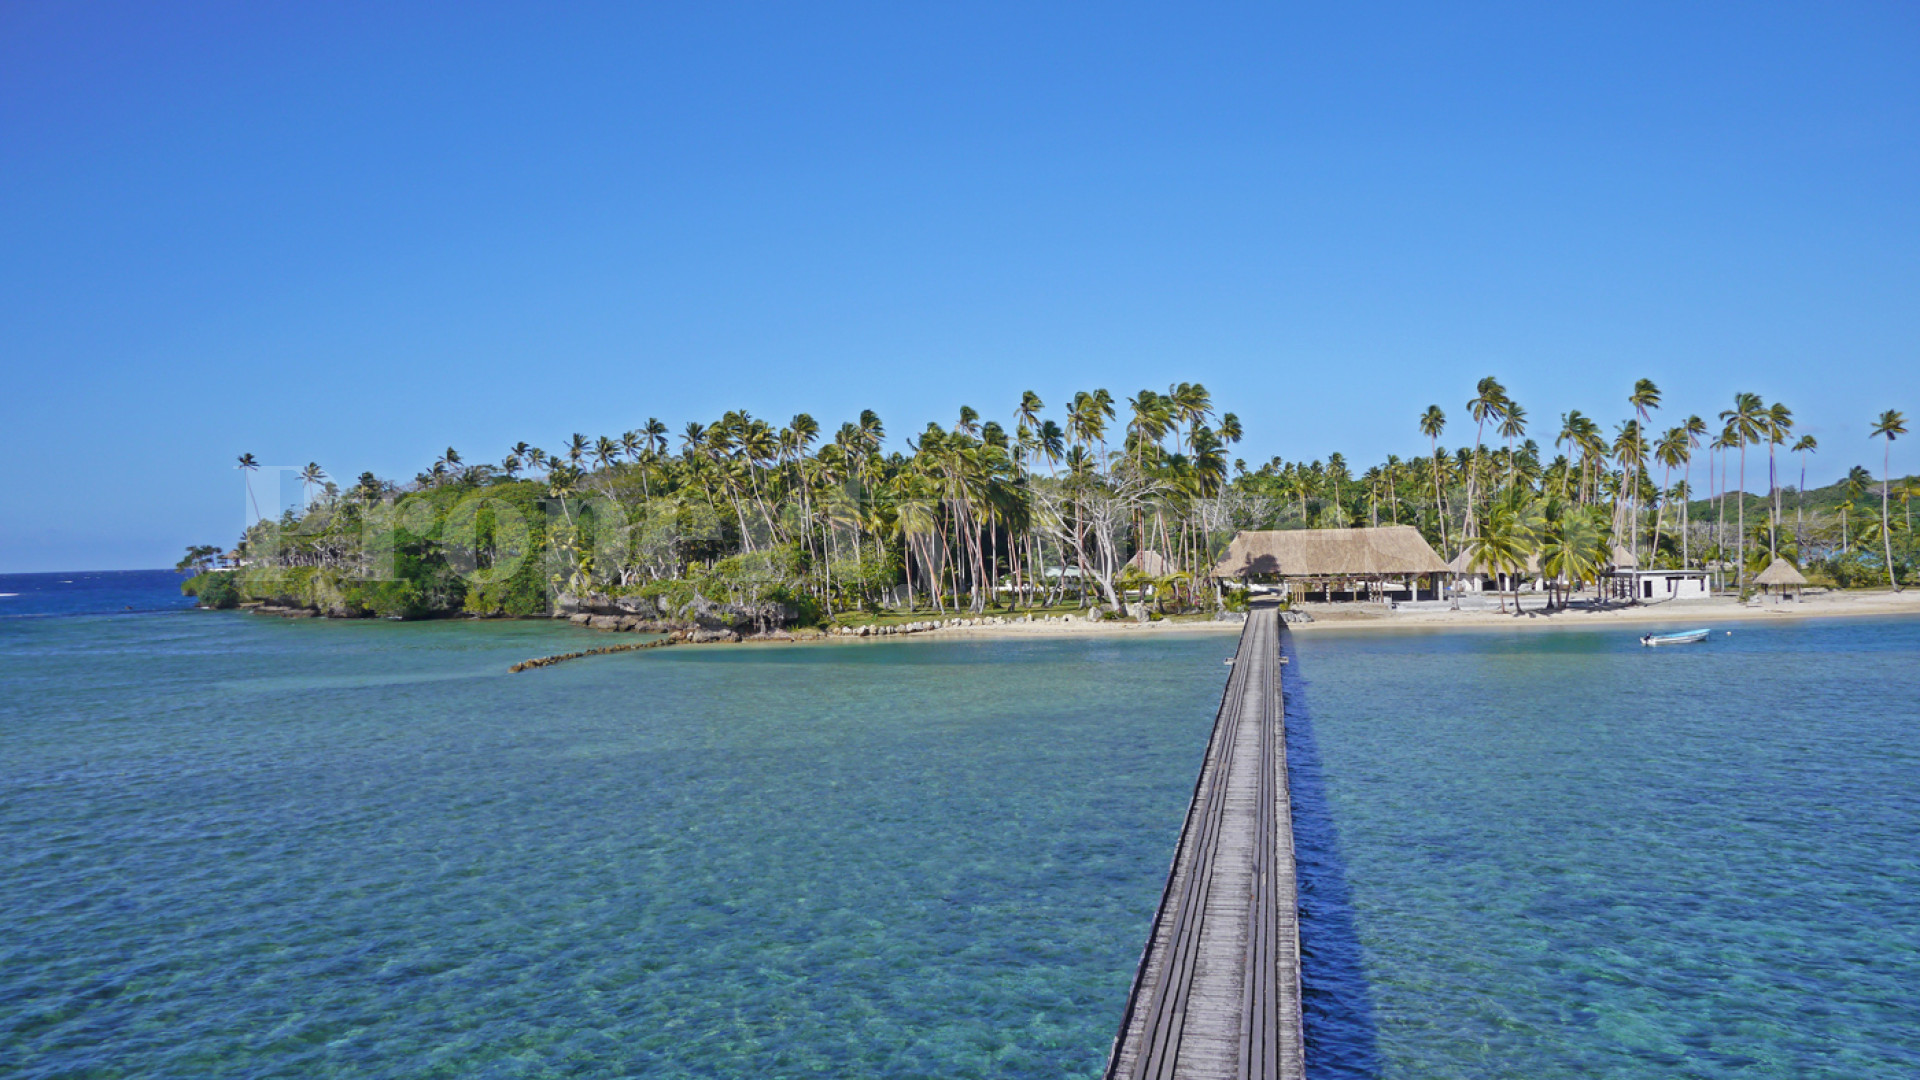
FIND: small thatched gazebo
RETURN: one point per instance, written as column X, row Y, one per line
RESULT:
column 1780, row 574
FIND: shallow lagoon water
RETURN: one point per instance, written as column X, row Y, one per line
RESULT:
column 247, row 847
column 1560, row 854
column 243, row 847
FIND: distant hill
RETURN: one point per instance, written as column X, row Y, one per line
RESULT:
column 1819, row 501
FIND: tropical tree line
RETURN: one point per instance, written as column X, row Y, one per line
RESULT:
column 1636, row 479
column 1091, row 502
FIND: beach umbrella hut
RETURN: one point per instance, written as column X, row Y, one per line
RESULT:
column 1780, row 574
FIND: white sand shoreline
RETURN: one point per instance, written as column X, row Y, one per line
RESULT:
column 1373, row 617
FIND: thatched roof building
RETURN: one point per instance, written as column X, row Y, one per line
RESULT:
column 1780, row 573
column 1388, row 551
column 1623, row 559
column 1152, row 563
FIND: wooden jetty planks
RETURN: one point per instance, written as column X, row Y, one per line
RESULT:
column 1217, row 992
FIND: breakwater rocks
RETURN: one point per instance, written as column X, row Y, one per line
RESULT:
column 549, row 661
column 678, row 637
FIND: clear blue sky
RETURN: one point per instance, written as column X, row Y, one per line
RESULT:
column 358, row 233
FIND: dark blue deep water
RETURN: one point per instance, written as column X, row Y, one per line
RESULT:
column 92, row 592
column 237, row 846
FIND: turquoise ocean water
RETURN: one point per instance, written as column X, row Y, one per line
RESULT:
column 246, row 847
column 1560, row 854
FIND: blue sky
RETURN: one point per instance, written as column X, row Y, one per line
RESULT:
column 357, row 234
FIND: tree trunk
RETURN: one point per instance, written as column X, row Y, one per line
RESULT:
column 1740, row 563
column 1886, row 511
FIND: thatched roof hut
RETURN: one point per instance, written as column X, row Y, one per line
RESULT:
column 1388, row 551
column 1623, row 559
column 1780, row 573
column 1152, row 563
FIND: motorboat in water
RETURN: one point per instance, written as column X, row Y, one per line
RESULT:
column 1685, row 637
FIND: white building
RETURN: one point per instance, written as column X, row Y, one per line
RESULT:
column 1626, row 581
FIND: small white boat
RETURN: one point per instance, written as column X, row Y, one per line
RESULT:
column 1685, row 637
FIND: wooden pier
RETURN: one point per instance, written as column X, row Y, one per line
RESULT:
column 1217, row 993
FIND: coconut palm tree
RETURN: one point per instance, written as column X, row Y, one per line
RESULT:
column 1856, row 483
column 248, row 466
column 1907, row 492
column 1807, row 445
column 1779, row 424
column 1513, row 425
column 606, row 452
column 1503, row 546
column 1645, row 398
column 1572, row 552
column 1230, row 430
column 1432, row 423
column 1889, row 426
column 1489, row 402
column 1581, row 435
column 1696, row 429
column 1670, row 452
column 310, row 477
column 1744, row 422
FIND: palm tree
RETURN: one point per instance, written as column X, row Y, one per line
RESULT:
column 1432, row 423
column 1573, row 551
column 1669, row 452
column 605, row 452
column 1743, row 427
column 1857, row 481
column 1580, row 434
column 1513, row 425
column 1807, row 445
column 1630, row 449
column 1907, row 491
column 1050, row 442
column 310, row 476
column 1696, row 429
column 1891, row 425
column 1488, row 402
column 1644, row 399
column 1027, row 413
column 1152, row 417
column 1779, row 423
column 1503, row 546
column 248, row 466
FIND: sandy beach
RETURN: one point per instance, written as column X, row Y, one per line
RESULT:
column 1366, row 617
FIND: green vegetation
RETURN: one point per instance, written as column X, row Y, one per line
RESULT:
column 1106, row 503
